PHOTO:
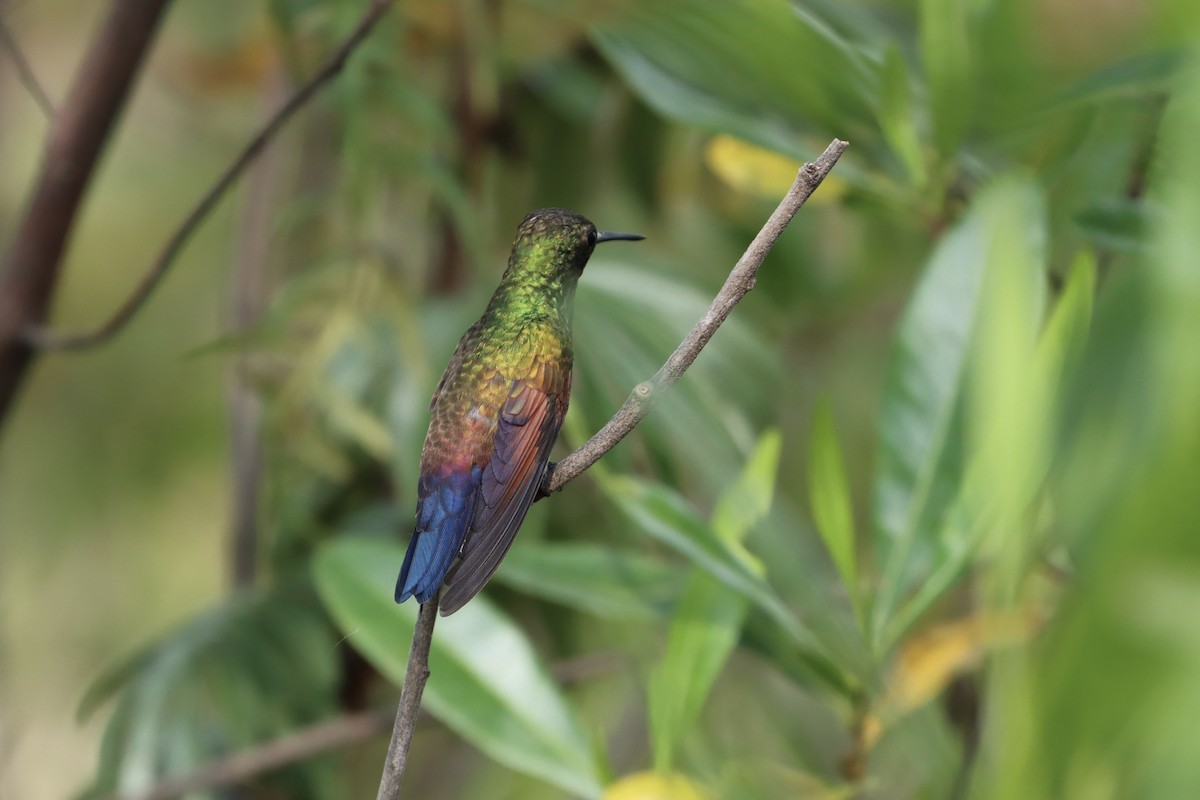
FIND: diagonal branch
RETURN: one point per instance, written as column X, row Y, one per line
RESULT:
column 30, row 265
column 50, row 340
column 740, row 281
column 24, row 71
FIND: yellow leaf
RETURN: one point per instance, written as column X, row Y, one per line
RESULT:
column 934, row 657
column 755, row 170
column 654, row 786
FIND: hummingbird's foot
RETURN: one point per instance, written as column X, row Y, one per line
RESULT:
column 544, row 487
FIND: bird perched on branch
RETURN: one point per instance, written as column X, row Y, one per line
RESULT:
column 496, row 413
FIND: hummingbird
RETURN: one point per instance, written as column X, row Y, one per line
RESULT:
column 496, row 413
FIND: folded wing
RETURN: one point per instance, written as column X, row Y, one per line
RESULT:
column 527, row 427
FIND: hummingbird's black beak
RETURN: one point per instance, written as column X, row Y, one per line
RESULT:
column 614, row 236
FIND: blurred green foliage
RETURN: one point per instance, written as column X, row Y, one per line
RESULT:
column 918, row 523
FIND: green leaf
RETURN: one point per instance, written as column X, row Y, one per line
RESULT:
column 917, row 471
column 764, row 70
column 667, row 517
column 1010, row 407
column 1135, row 78
column 830, row 497
column 629, row 316
column 898, row 117
column 1009, row 404
column 242, row 673
column 945, row 54
column 745, row 503
column 598, row 580
column 708, row 619
column 1063, row 340
column 1118, row 225
column 707, row 624
column 486, row 682
column 1107, row 704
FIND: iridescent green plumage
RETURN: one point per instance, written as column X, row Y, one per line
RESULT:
column 496, row 413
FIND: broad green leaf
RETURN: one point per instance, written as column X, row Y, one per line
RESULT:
column 598, row 580
column 486, row 682
column 238, row 675
column 829, row 495
column 762, row 70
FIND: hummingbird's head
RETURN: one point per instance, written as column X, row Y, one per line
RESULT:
column 561, row 240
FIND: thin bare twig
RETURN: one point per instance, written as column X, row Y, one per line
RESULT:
column 415, row 675
column 49, row 340
column 740, row 281
column 240, row 768
column 25, row 72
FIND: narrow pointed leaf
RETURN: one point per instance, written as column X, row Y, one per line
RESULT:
column 945, row 53
column 708, row 619
column 918, row 469
column 667, row 517
column 1007, row 223
column 706, row 627
column 829, row 495
column 746, row 502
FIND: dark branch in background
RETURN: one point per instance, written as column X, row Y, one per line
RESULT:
column 740, row 281
column 415, row 675
column 240, row 768
column 248, row 291
column 50, row 340
column 24, row 71
column 30, row 264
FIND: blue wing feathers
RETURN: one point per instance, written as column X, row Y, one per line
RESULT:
column 466, row 521
column 509, row 482
column 445, row 507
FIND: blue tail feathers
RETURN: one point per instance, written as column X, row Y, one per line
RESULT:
column 445, row 507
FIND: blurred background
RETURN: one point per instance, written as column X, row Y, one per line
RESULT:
column 919, row 523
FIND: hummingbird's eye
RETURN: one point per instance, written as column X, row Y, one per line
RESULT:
column 592, row 237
